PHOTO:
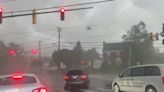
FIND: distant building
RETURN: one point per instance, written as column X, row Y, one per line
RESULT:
column 113, row 54
column 97, row 64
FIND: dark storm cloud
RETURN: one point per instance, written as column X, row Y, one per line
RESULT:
column 108, row 21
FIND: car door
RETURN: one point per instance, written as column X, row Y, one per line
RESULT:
column 123, row 80
column 153, row 76
column 137, row 79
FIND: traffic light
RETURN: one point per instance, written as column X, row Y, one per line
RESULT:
column 34, row 16
column 34, row 51
column 12, row 52
column 163, row 41
column 62, row 14
column 1, row 15
column 151, row 35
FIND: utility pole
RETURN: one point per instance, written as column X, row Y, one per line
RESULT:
column 40, row 56
column 130, row 55
column 59, row 30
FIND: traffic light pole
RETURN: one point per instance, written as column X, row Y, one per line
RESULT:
column 59, row 30
column 40, row 56
column 130, row 55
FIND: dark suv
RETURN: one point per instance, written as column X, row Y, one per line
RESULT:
column 76, row 79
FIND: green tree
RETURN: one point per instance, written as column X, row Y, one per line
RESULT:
column 91, row 54
column 19, row 50
column 69, row 57
column 9, row 63
column 73, row 58
column 78, row 46
column 77, row 53
column 3, row 55
column 138, row 45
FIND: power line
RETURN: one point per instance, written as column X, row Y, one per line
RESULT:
column 92, row 36
column 80, row 4
column 55, row 45
column 82, row 47
column 81, row 42
column 63, row 46
column 48, row 47
column 73, row 43
column 19, row 34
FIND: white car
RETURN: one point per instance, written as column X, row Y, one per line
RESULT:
column 21, row 83
column 141, row 78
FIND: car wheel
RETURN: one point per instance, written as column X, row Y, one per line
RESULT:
column 150, row 89
column 116, row 88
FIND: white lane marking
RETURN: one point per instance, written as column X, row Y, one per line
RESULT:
column 103, row 89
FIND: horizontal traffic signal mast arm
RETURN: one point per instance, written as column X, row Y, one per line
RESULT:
column 37, row 13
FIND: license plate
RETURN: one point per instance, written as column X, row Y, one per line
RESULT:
column 74, row 77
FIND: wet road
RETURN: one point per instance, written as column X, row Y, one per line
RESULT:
column 55, row 83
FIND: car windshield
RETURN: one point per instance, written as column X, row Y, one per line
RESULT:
column 98, row 39
column 17, row 81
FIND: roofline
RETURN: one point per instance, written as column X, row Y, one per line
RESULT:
column 146, row 65
column 25, row 74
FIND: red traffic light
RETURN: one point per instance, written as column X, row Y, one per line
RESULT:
column 1, row 10
column 62, row 14
column 34, row 51
column 12, row 52
column 62, row 10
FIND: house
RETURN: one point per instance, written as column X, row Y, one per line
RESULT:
column 113, row 54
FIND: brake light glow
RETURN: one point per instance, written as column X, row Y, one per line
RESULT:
column 17, row 77
column 163, row 80
column 40, row 90
column 66, row 77
column 84, row 77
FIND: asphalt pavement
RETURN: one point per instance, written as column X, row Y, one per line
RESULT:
column 98, row 82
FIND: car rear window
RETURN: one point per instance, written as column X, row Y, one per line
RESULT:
column 12, row 81
column 152, row 71
column 75, row 72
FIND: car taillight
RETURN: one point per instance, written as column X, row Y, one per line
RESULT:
column 66, row 77
column 83, row 77
column 163, row 80
column 40, row 90
column 16, row 77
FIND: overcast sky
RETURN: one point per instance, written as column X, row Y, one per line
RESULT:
column 108, row 22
